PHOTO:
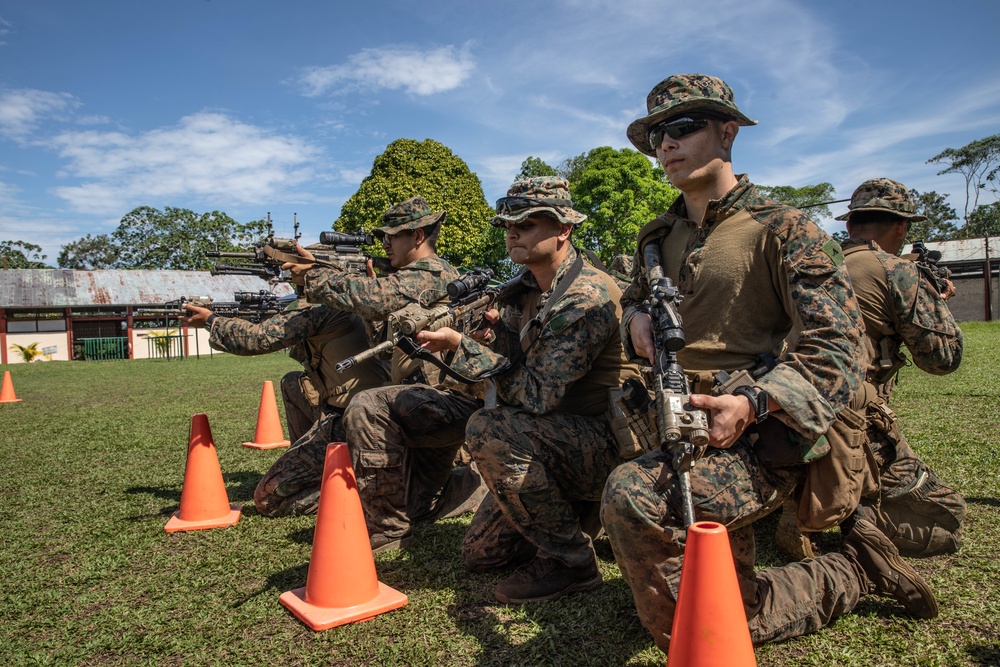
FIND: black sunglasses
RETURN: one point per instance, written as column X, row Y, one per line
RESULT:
column 675, row 129
column 513, row 205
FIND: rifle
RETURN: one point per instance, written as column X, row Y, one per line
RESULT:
column 682, row 429
column 252, row 306
column 929, row 260
column 335, row 250
column 471, row 296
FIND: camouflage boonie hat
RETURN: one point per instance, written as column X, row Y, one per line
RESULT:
column 547, row 195
column 413, row 213
column 682, row 93
column 883, row 194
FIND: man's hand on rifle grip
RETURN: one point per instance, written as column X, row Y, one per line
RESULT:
column 641, row 330
column 729, row 416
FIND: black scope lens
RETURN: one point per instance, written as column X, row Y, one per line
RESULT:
column 469, row 282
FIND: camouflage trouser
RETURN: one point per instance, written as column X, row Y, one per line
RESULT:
column 642, row 516
column 299, row 412
column 291, row 486
column 535, row 467
column 921, row 514
column 404, row 440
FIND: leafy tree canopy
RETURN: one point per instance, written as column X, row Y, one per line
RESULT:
column 533, row 166
column 984, row 221
column 408, row 168
column 978, row 161
column 88, row 253
column 177, row 238
column 813, row 200
column 21, row 255
column 939, row 225
column 619, row 191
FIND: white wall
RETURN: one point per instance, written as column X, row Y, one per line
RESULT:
column 55, row 339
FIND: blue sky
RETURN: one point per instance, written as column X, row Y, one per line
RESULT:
column 250, row 107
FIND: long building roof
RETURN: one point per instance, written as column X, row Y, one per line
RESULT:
column 63, row 288
column 964, row 250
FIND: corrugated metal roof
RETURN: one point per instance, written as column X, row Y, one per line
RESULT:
column 961, row 251
column 62, row 288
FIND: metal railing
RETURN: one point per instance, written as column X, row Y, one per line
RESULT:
column 165, row 347
column 104, row 349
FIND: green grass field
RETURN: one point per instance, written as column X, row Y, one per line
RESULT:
column 93, row 464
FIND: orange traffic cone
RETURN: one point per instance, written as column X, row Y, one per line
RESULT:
column 710, row 625
column 204, row 503
column 269, row 434
column 341, row 586
column 7, row 392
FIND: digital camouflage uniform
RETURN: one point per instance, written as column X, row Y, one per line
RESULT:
column 901, row 305
column 755, row 269
column 403, row 438
column 547, row 445
column 317, row 337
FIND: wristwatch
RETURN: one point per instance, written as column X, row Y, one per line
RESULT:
column 209, row 320
column 758, row 401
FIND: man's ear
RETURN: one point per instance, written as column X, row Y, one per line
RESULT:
column 730, row 129
column 565, row 229
column 418, row 236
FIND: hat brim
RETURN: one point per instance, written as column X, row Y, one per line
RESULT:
column 430, row 219
column 638, row 130
column 562, row 214
column 912, row 217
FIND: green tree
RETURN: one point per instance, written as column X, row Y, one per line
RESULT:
column 177, row 238
column 841, row 237
column 984, row 221
column 978, row 162
column 620, row 191
column 939, row 225
column 88, row 253
column 408, row 168
column 533, row 166
column 21, row 255
column 813, row 200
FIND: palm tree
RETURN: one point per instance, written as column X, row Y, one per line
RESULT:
column 28, row 352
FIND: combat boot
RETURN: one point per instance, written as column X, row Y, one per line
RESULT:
column 546, row 579
column 884, row 572
column 792, row 542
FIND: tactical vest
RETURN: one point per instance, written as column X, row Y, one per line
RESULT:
column 323, row 351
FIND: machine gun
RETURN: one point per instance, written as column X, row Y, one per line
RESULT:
column 471, row 296
column 682, row 429
column 342, row 252
column 252, row 306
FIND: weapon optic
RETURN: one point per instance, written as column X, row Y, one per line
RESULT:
column 335, row 250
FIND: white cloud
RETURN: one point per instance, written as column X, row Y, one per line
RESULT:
column 206, row 156
column 23, row 109
column 418, row 72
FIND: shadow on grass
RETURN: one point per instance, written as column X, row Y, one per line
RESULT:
column 240, row 493
column 989, row 502
column 987, row 655
column 280, row 582
column 574, row 627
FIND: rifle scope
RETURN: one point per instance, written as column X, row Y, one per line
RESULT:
column 469, row 283
column 339, row 238
column 254, row 298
